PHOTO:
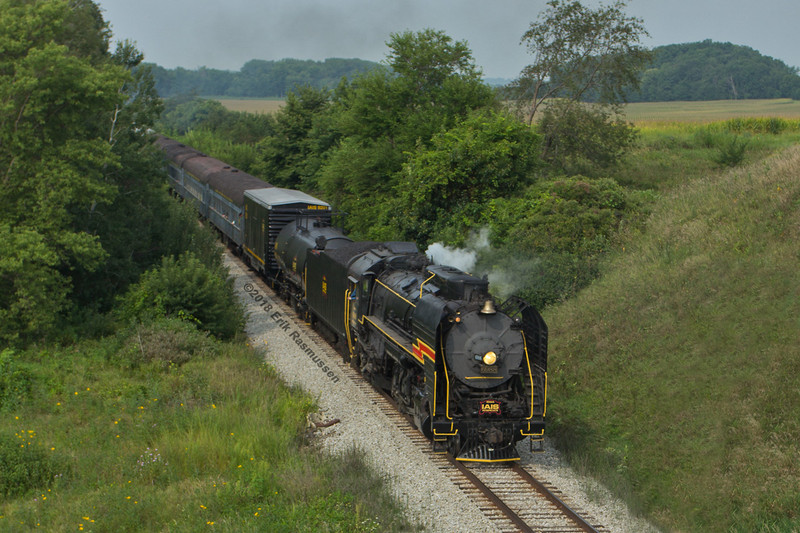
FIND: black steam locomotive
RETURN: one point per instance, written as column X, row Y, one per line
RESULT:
column 471, row 372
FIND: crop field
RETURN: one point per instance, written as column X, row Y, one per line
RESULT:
column 643, row 112
column 702, row 112
column 252, row 105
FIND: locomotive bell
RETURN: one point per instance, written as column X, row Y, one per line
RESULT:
column 488, row 308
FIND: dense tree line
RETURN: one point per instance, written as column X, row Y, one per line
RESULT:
column 84, row 208
column 715, row 71
column 691, row 72
column 258, row 78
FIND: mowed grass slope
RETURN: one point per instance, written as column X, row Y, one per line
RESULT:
column 678, row 373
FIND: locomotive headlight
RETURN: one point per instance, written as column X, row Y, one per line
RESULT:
column 489, row 358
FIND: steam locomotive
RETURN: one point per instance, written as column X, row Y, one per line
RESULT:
column 471, row 372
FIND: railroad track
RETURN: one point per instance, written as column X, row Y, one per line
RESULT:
column 510, row 496
column 517, row 501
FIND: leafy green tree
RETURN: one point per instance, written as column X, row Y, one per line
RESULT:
column 84, row 210
column 259, row 78
column 710, row 70
column 580, row 53
column 58, row 96
column 292, row 156
column 186, row 113
column 216, row 130
column 386, row 114
column 548, row 242
column 447, row 187
column 583, row 139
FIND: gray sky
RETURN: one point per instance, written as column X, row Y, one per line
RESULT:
column 225, row 34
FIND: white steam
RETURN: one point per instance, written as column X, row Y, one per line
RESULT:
column 507, row 275
column 461, row 258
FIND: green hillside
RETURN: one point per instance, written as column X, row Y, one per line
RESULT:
column 709, row 70
column 677, row 372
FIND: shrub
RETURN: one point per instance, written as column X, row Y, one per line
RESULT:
column 445, row 186
column 731, row 152
column 549, row 242
column 186, row 288
column 168, row 341
column 581, row 139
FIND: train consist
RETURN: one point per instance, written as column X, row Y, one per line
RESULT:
column 471, row 372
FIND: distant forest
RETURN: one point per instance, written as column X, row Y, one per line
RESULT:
column 705, row 70
column 258, row 78
column 715, row 71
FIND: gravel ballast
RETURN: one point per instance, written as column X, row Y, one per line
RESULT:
column 303, row 359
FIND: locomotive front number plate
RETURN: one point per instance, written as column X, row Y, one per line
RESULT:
column 489, row 407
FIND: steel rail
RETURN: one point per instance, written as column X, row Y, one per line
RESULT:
column 493, row 498
column 555, row 500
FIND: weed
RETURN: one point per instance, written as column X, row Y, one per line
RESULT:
column 731, row 152
column 25, row 465
column 15, row 380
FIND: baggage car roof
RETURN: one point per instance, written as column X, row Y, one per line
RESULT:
column 232, row 183
column 277, row 196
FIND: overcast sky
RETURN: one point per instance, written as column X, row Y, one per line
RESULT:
column 225, row 34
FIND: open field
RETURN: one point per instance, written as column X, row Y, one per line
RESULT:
column 699, row 112
column 252, row 105
column 711, row 111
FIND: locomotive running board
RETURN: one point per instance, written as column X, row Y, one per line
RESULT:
column 484, row 454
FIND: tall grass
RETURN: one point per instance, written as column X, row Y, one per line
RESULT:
column 676, row 374
column 672, row 153
column 211, row 439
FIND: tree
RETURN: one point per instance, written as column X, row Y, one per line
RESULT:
column 580, row 53
column 447, row 187
column 710, row 70
column 583, row 139
column 58, row 94
column 384, row 115
column 83, row 211
column 291, row 156
column 554, row 235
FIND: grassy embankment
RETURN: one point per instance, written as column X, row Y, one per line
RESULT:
column 162, row 429
column 675, row 376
